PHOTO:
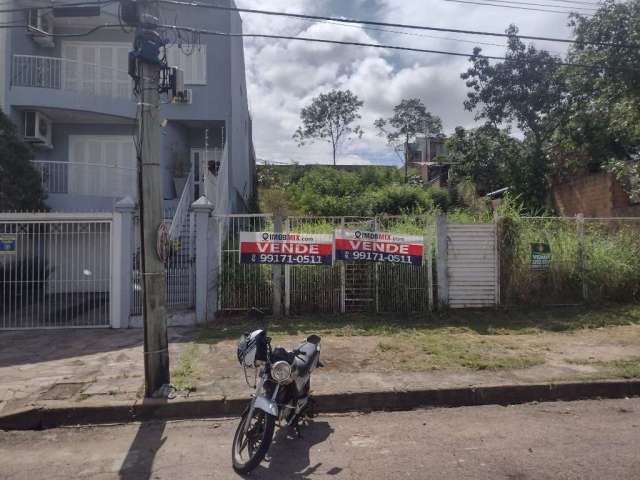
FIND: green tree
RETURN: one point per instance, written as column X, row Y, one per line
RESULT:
column 600, row 125
column 487, row 156
column 526, row 88
column 410, row 118
column 20, row 183
column 329, row 118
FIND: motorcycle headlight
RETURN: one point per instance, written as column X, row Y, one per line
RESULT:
column 281, row 371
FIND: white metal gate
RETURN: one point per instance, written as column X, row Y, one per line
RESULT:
column 55, row 270
column 472, row 265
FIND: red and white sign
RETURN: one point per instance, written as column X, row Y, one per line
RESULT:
column 362, row 246
column 286, row 248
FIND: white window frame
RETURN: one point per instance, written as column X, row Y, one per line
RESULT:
column 118, row 84
column 197, row 61
column 103, row 177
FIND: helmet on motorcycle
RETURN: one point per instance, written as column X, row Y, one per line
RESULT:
column 252, row 347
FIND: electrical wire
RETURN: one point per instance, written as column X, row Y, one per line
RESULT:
column 514, row 2
column 564, row 12
column 373, row 45
column 387, row 24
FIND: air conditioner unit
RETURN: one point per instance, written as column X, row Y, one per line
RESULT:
column 37, row 129
column 40, row 25
column 183, row 97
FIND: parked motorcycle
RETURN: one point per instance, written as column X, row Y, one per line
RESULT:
column 282, row 393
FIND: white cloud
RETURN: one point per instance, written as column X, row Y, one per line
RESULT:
column 283, row 75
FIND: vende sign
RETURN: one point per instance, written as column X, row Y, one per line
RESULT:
column 286, row 248
column 361, row 246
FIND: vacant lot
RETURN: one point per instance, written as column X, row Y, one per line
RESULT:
column 456, row 347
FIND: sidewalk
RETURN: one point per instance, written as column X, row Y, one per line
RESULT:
column 50, row 368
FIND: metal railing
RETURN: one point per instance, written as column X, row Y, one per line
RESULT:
column 70, row 75
column 182, row 210
column 55, row 270
column 179, row 270
column 87, row 178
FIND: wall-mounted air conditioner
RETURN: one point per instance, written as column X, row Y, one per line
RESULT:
column 37, row 129
column 40, row 26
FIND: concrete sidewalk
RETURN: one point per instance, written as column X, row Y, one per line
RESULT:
column 85, row 369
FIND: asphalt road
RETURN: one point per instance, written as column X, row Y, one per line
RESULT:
column 574, row 440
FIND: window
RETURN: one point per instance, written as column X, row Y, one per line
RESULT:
column 102, row 165
column 194, row 65
column 97, row 68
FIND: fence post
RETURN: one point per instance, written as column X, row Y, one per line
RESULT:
column 277, row 273
column 498, row 220
column 287, row 279
column 202, row 208
column 441, row 261
column 581, row 255
column 428, row 249
column 121, row 262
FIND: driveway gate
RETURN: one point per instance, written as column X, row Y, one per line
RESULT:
column 55, row 270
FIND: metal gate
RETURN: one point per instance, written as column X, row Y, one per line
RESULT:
column 472, row 265
column 55, row 270
column 343, row 287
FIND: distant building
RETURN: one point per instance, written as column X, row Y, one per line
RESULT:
column 426, row 155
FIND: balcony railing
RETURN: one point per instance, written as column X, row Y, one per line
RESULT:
column 79, row 178
column 70, row 75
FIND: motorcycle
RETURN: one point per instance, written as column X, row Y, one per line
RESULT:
column 282, row 393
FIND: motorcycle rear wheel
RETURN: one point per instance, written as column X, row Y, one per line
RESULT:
column 249, row 449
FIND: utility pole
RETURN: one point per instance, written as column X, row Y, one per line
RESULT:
column 146, row 54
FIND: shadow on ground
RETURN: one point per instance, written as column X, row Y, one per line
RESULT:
column 289, row 456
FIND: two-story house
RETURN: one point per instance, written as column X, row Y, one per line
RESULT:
column 70, row 94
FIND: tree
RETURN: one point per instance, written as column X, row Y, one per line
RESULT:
column 526, row 88
column 329, row 118
column 487, row 156
column 601, row 125
column 410, row 117
column 20, row 182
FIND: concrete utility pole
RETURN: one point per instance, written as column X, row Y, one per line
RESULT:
column 156, row 352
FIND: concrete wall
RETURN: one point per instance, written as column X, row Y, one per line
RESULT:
column 596, row 195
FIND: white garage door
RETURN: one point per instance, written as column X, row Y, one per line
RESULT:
column 102, row 165
column 472, row 266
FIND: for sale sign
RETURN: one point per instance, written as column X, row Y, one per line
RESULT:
column 361, row 246
column 286, row 248
column 540, row 256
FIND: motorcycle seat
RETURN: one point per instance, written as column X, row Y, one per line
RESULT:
column 306, row 358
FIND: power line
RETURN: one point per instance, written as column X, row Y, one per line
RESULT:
column 386, row 24
column 564, row 12
column 514, row 2
column 361, row 44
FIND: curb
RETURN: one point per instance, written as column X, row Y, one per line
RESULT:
column 39, row 418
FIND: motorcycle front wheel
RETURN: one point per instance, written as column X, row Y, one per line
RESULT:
column 249, row 449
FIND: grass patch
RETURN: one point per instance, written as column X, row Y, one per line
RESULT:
column 622, row 368
column 450, row 349
column 483, row 322
column 183, row 376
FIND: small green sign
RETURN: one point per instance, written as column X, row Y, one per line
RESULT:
column 540, row 256
column 8, row 244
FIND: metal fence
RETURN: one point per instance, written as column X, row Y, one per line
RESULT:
column 179, row 269
column 591, row 260
column 343, row 287
column 64, row 74
column 55, row 271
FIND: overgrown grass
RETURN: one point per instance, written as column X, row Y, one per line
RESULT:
column 622, row 368
column 183, row 376
column 482, row 322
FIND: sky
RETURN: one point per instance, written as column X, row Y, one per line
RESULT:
column 284, row 75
